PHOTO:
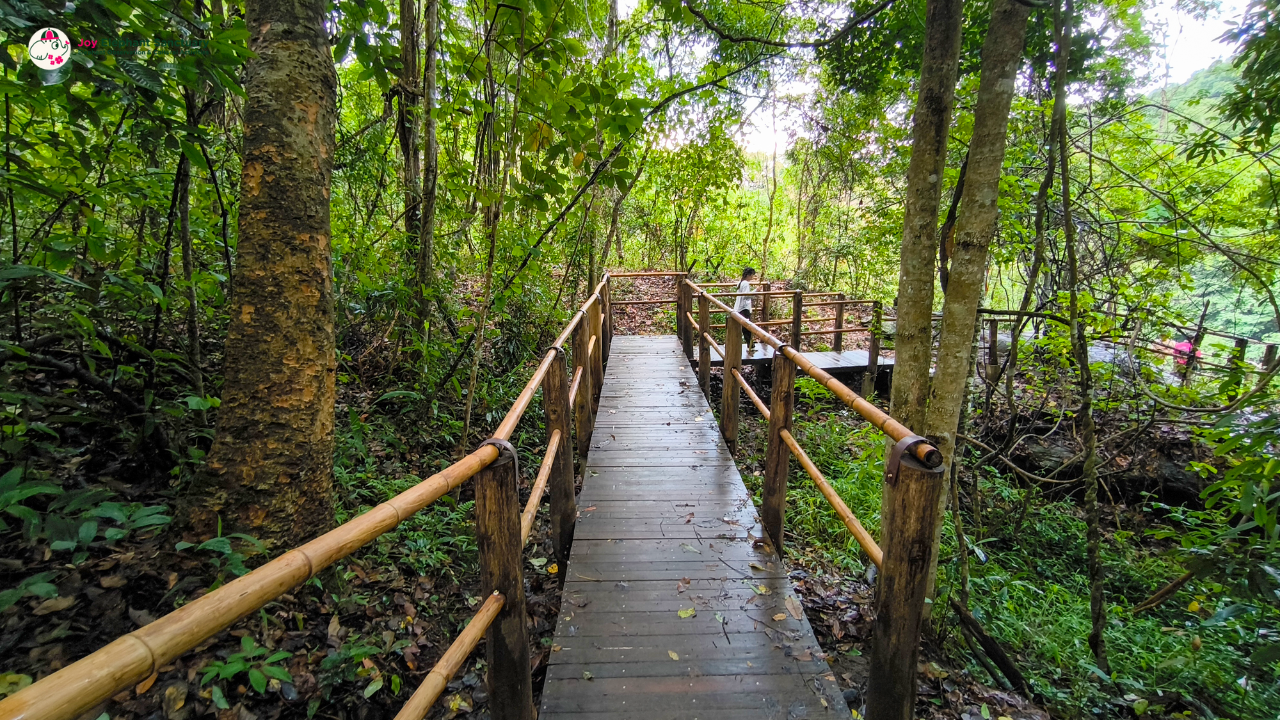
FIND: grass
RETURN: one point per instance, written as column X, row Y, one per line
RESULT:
column 1029, row 586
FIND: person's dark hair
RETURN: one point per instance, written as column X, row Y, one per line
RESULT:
column 748, row 272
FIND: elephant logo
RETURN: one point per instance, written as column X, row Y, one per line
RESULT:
column 49, row 49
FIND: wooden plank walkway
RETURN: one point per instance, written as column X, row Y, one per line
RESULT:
column 666, row 526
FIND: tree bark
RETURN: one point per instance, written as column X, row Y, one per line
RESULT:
column 929, row 127
column 270, row 471
column 976, row 224
column 188, row 274
column 407, row 116
column 424, row 272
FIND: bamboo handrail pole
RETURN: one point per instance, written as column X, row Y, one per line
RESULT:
column 573, row 388
column 712, row 343
column 764, row 337
column 692, row 322
column 132, row 658
column 539, row 487
column 832, row 303
column 720, row 326
column 512, row 418
column 591, row 346
column 925, row 452
column 850, row 520
column 772, row 323
column 568, row 329
column 755, row 399
column 433, row 685
column 642, row 302
column 833, row 332
column 644, row 274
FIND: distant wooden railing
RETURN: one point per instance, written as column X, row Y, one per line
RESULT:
column 912, row 472
column 502, row 529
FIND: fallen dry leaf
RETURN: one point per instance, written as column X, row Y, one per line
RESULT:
column 53, row 605
column 673, row 655
column 793, row 607
column 113, row 581
column 780, row 617
column 145, row 685
column 687, row 612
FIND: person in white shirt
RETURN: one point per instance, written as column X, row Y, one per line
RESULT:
column 743, row 307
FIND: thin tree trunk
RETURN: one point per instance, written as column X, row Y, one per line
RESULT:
column 929, row 127
column 270, row 471
column 407, row 117
column 1080, row 348
column 424, row 272
column 188, row 274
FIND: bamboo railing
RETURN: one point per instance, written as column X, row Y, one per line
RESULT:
column 913, row 473
column 502, row 529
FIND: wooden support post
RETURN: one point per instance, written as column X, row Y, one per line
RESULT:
column 564, row 511
column 773, row 502
column 704, row 348
column 501, row 563
column 582, row 417
column 1196, row 339
column 839, row 344
column 608, row 318
column 597, row 357
column 910, row 514
column 729, row 390
column 873, row 351
column 685, row 306
column 764, row 303
column 797, row 312
column 1238, row 365
column 993, row 348
column 1269, row 357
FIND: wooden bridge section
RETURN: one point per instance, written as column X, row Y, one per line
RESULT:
column 674, row 603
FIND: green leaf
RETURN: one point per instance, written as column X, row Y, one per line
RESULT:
column 277, row 672
column 1266, row 654
column 219, row 699
column 373, row 687
column 258, row 680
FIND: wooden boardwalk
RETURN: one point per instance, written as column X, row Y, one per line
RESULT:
column 671, row 602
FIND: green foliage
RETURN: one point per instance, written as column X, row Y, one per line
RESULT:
column 227, row 554
column 258, row 663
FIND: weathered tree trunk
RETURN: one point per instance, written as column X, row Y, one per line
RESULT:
column 270, row 471
column 407, row 116
column 929, row 127
column 976, row 225
column 1080, row 349
column 424, row 272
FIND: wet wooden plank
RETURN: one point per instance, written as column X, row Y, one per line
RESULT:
column 665, row 525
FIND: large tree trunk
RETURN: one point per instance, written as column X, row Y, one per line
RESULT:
column 976, row 224
column 270, row 471
column 975, row 228
column 929, row 127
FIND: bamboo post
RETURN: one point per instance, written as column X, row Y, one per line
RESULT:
column 729, row 393
column 582, row 401
column 597, row 356
column 1196, row 339
column 501, row 555
column 1238, row 366
column 839, row 344
column 564, row 511
column 873, row 351
column 764, row 303
column 773, row 504
column 797, row 309
column 1269, row 357
column 910, row 513
column 704, row 348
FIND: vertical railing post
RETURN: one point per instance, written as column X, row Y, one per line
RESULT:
column 1238, row 365
column 597, row 357
column 564, row 511
column 704, row 347
column 797, row 313
column 764, row 303
column 498, row 537
column 773, row 501
column 910, row 513
column 729, row 391
column 839, row 343
column 1269, row 357
column 993, row 347
column 873, row 351
column 582, row 417
column 686, row 308
column 608, row 317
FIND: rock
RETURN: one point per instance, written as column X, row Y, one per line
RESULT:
column 851, row 697
column 288, row 692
